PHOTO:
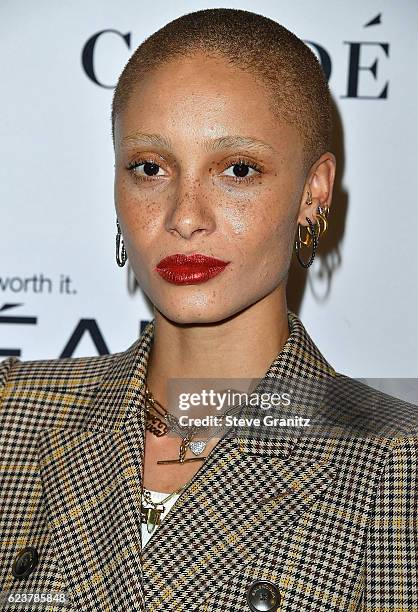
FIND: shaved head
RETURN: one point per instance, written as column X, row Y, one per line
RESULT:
column 296, row 88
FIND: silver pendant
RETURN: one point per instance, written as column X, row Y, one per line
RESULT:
column 197, row 446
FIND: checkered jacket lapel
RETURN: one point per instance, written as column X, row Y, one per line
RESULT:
column 257, row 508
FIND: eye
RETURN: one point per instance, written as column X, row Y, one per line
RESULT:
column 145, row 169
column 242, row 170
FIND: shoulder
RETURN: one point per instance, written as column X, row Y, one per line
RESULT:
column 372, row 412
column 15, row 372
column 376, row 433
column 45, row 390
column 379, row 441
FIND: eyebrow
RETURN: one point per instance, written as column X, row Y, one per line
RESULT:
column 215, row 144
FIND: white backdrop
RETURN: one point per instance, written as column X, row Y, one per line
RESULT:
column 61, row 292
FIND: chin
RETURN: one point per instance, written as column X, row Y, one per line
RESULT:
column 199, row 310
column 188, row 315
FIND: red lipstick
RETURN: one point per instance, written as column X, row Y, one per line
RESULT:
column 189, row 269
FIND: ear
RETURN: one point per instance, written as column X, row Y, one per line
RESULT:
column 320, row 183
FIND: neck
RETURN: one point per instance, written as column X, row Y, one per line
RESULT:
column 241, row 346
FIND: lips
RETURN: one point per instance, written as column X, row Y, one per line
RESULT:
column 192, row 269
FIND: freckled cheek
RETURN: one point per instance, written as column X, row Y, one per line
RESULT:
column 137, row 214
column 141, row 230
column 237, row 221
column 144, row 223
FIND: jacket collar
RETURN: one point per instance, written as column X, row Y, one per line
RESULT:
column 121, row 396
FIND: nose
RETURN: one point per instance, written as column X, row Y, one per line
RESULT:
column 191, row 211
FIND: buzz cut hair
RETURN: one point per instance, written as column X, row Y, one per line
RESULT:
column 297, row 90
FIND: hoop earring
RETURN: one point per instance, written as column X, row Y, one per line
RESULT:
column 322, row 215
column 121, row 255
column 307, row 241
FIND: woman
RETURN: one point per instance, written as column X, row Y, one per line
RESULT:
column 221, row 127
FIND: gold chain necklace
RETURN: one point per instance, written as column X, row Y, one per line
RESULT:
column 155, row 425
column 151, row 514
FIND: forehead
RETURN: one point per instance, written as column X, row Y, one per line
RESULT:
column 201, row 96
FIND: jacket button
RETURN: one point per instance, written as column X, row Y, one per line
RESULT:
column 25, row 562
column 263, row 596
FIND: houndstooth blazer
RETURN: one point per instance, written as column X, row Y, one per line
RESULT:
column 330, row 521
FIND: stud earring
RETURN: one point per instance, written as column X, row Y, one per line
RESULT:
column 121, row 255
